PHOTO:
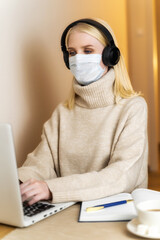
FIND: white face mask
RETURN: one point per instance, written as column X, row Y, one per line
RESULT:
column 86, row 68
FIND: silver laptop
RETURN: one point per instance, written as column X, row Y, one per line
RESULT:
column 12, row 210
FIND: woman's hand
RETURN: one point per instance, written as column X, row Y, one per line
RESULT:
column 34, row 191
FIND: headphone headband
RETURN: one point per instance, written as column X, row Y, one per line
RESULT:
column 111, row 53
column 90, row 22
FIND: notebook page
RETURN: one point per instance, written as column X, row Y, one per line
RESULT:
column 116, row 213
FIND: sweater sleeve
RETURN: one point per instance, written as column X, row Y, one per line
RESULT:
column 41, row 164
column 127, row 168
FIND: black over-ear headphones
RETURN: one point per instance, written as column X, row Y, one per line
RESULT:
column 110, row 54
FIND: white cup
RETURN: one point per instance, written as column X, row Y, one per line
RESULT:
column 149, row 213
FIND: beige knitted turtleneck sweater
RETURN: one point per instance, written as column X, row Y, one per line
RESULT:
column 95, row 150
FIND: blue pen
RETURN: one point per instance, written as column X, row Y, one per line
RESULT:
column 112, row 204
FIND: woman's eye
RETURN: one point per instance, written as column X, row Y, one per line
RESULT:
column 72, row 53
column 87, row 51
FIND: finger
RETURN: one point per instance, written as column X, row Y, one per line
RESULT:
column 30, row 190
column 35, row 198
column 29, row 194
column 40, row 195
column 25, row 184
column 27, row 189
column 29, row 185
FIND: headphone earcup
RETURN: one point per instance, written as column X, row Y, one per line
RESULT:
column 110, row 55
column 66, row 58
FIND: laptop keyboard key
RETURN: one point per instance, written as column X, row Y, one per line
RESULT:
column 35, row 208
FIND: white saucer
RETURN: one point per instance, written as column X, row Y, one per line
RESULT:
column 135, row 227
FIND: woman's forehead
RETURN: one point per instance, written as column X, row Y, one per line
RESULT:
column 81, row 38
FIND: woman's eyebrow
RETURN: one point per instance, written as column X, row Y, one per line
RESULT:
column 88, row 46
column 85, row 46
column 69, row 48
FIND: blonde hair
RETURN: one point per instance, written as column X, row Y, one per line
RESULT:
column 122, row 85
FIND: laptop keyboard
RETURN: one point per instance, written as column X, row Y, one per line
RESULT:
column 35, row 208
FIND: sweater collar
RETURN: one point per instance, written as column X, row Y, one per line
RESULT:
column 97, row 94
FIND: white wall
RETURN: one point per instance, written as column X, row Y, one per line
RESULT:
column 33, row 77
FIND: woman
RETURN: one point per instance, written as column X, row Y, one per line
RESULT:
column 95, row 144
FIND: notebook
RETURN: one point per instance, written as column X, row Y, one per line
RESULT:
column 12, row 210
column 124, row 212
